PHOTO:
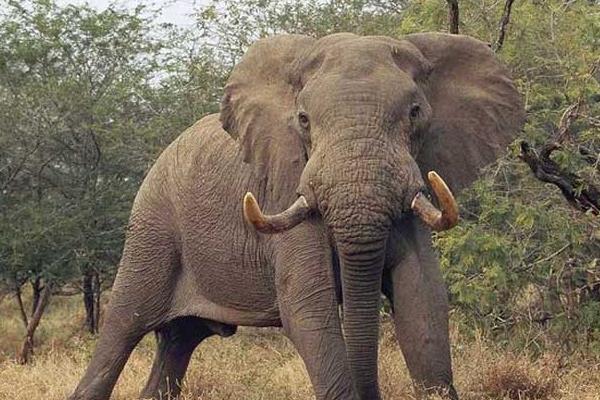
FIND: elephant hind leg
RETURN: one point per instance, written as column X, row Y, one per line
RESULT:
column 127, row 321
column 117, row 340
column 176, row 341
column 140, row 302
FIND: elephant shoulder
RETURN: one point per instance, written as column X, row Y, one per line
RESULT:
column 198, row 150
column 203, row 142
column 206, row 132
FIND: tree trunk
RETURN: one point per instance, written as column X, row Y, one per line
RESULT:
column 27, row 348
column 453, row 16
column 36, row 287
column 91, row 300
column 97, row 292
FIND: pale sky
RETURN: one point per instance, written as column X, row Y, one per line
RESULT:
column 174, row 11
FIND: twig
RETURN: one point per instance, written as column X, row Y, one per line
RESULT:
column 551, row 256
column 12, row 175
column 566, row 120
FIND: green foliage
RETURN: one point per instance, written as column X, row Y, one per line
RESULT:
column 522, row 257
column 231, row 26
column 82, row 98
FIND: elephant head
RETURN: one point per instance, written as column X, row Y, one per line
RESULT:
column 364, row 119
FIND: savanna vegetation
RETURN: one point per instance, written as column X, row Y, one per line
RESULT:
column 89, row 98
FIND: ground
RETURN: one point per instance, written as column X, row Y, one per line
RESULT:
column 261, row 364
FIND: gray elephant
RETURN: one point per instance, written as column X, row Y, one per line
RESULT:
column 333, row 136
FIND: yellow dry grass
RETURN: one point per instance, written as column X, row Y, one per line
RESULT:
column 261, row 364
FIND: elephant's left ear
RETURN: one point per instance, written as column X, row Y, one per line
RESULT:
column 259, row 106
column 477, row 111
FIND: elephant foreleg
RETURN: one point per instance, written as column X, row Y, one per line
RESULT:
column 309, row 315
column 420, row 303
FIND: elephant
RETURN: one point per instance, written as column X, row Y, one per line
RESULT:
column 306, row 192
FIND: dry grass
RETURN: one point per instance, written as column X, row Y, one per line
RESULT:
column 262, row 364
column 516, row 378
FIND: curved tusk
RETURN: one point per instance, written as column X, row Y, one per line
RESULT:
column 437, row 220
column 283, row 221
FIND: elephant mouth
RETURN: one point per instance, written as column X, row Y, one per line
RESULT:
column 437, row 219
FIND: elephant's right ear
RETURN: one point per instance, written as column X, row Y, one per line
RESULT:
column 259, row 103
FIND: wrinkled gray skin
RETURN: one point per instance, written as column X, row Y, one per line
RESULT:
column 192, row 268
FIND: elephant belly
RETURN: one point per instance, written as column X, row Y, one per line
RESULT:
column 219, row 282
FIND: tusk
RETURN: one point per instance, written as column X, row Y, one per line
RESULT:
column 274, row 223
column 437, row 220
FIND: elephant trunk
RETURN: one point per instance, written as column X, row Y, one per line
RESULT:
column 362, row 266
column 360, row 216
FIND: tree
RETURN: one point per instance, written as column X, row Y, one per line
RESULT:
column 72, row 82
column 89, row 98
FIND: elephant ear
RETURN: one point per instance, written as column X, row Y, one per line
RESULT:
column 258, row 109
column 477, row 111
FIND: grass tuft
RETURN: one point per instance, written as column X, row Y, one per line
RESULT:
column 517, row 378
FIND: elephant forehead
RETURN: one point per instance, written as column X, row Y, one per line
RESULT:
column 357, row 53
column 358, row 56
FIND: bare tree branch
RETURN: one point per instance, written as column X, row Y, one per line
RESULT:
column 567, row 118
column 503, row 25
column 547, row 170
column 20, row 166
column 453, row 16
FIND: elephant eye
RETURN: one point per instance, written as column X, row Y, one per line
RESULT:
column 303, row 120
column 415, row 110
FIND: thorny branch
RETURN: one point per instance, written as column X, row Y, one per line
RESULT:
column 547, row 170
